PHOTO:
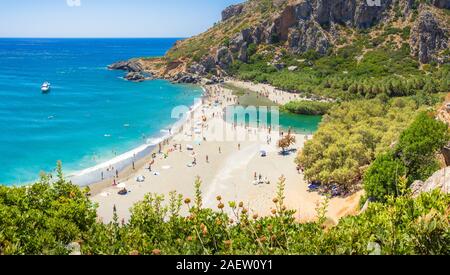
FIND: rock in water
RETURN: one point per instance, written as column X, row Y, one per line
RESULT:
column 136, row 77
column 134, row 68
column 130, row 66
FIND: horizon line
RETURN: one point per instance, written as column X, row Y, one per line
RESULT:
column 91, row 37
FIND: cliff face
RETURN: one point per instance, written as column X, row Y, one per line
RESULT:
column 299, row 26
column 428, row 37
column 232, row 11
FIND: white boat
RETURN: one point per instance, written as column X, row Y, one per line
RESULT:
column 45, row 87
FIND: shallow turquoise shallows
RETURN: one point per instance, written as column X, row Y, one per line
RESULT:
column 91, row 113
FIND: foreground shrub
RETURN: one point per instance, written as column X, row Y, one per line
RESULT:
column 414, row 157
column 419, row 144
column 382, row 177
column 44, row 219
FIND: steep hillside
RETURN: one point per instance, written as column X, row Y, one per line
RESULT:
column 277, row 40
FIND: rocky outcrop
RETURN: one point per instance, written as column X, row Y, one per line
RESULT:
column 137, row 76
column 129, row 66
column 186, row 78
column 442, row 4
column 369, row 15
column 428, row 38
column 440, row 181
column 134, row 69
column 232, row 11
column 243, row 53
column 356, row 13
column 297, row 26
column 308, row 36
column 305, row 25
column 224, row 58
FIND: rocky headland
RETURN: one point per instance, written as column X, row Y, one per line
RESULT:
column 294, row 26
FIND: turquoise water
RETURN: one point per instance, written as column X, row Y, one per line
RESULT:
column 301, row 124
column 91, row 113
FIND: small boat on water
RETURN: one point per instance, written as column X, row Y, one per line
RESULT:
column 45, row 88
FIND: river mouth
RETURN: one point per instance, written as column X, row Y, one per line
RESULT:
column 254, row 110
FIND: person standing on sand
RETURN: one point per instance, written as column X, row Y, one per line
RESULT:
column 117, row 173
column 239, row 147
column 133, row 166
column 114, row 182
column 220, row 150
column 207, row 159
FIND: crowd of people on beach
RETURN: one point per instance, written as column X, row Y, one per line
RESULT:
column 215, row 101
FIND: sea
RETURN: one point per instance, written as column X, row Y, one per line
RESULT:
column 91, row 113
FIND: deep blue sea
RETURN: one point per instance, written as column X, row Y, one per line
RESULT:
column 91, row 113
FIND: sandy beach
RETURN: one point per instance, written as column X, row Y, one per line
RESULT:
column 276, row 95
column 226, row 156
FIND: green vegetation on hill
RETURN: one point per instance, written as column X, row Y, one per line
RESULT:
column 349, row 73
column 353, row 134
column 44, row 218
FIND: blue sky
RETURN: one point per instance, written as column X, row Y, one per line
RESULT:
column 108, row 18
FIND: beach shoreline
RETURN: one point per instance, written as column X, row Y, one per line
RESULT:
column 231, row 168
column 107, row 170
